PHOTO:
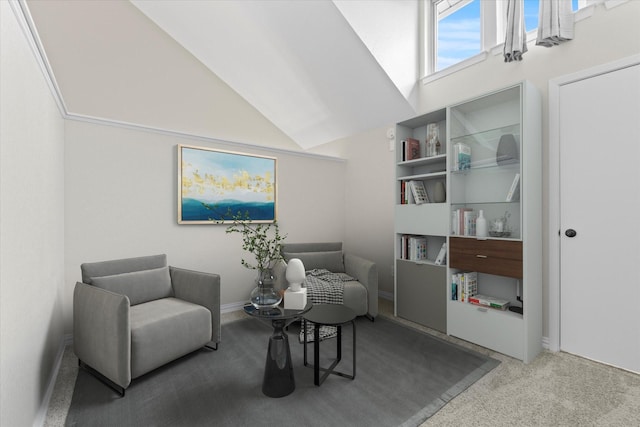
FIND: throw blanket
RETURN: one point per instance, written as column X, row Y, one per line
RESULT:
column 324, row 287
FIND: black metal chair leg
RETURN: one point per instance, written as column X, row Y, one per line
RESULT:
column 106, row 381
column 212, row 348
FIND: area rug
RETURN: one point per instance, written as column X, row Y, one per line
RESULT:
column 403, row 376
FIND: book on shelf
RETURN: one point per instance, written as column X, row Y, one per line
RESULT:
column 465, row 285
column 463, row 222
column 514, row 191
column 419, row 192
column 454, row 287
column 461, row 156
column 442, row 255
column 412, row 149
column 491, row 302
column 418, row 248
column 413, row 248
column 469, row 226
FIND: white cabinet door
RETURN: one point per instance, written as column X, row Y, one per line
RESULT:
column 600, row 200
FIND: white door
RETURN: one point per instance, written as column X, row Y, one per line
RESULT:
column 599, row 124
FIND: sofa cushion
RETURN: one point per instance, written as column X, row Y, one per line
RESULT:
column 119, row 266
column 165, row 329
column 139, row 286
column 329, row 260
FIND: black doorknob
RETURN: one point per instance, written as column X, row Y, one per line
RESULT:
column 570, row 233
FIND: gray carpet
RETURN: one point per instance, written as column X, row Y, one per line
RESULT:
column 403, row 377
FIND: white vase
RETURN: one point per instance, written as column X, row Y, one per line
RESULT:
column 481, row 225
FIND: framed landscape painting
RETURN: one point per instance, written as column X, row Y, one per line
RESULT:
column 215, row 185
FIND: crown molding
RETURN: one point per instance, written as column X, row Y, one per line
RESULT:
column 195, row 137
column 23, row 16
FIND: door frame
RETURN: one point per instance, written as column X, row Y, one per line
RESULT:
column 554, row 235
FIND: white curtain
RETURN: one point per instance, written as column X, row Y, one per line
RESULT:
column 515, row 41
column 555, row 23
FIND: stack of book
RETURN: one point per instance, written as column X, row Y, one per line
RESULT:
column 413, row 248
column 461, row 156
column 490, row 302
column 463, row 222
column 413, row 192
column 464, row 286
column 410, row 149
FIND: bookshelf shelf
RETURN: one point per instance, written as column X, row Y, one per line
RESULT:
column 423, row 176
column 488, row 138
column 424, row 161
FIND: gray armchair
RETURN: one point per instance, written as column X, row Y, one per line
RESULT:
column 360, row 295
column 133, row 315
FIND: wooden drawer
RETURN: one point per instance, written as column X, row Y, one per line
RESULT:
column 499, row 257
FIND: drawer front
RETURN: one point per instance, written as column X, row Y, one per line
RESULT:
column 499, row 257
column 498, row 330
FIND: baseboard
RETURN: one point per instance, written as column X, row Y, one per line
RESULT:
column 41, row 415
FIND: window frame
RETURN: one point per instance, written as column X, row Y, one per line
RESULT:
column 490, row 28
column 492, row 31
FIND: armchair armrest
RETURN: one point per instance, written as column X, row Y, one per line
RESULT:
column 202, row 289
column 101, row 332
column 365, row 272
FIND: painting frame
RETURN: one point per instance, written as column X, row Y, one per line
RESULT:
column 215, row 185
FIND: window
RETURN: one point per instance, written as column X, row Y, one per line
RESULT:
column 532, row 7
column 458, row 30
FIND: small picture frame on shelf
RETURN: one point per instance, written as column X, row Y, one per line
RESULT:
column 419, row 192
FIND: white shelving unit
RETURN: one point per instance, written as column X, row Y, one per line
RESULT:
column 419, row 290
column 503, row 133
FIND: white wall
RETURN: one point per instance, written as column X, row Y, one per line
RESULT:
column 121, row 201
column 369, row 189
column 32, row 230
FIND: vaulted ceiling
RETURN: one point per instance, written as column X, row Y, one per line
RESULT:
column 301, row 73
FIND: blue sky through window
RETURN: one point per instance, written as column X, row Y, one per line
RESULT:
column 459, row 35
column 531, row 8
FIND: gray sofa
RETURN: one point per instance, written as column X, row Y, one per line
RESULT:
column 360, row 295
column 133, row 315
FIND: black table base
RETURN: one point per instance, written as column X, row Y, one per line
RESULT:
column 317, row 379
column 278, row 370
column 278, row 378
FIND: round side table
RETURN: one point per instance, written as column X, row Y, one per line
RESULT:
column 329, row 315
column 278, row 371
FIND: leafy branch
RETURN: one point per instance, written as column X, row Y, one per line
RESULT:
column 264, row 241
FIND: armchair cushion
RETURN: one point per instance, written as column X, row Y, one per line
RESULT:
column 165, row 329
column 330, row 260
column 138, row 286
